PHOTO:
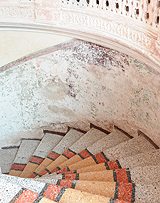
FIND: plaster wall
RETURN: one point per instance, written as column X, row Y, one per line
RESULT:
column 78, row 81
column 16, row 44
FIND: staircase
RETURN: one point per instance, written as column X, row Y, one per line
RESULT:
column 81, row 167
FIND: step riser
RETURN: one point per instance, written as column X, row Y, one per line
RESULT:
column 71, row 137
column 108, row 189
column 88, row 139
column 26, row 149
column 112, row 139
column 48, row 142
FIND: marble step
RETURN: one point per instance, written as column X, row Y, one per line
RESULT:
column 25, row 151
column 120, row 191
column 107, row 189
column 148, row 158
column 71, row 137
column 13, row 193
column 114, row 138
column 128, row 148
column 48, row 142
column 144, row 193
column 7, row 156
column 28, row 183
column 89, row 138
column 118, row 175
column 140, row 174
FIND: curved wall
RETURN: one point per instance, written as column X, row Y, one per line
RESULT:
column 78, row 81
column 131, row 27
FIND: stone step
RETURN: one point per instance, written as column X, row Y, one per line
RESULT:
column 71, row 137
column 48, row 142
column 107, row 189
column 128, row 148
column 92, row 136
column 13, row 193
column 7, row 156
column 16, row 194
column 140, row 174
column 118, row 175
column 142, row 159
column 28, row 183
column 112, row 139
column 25, row 151
column 144, row 193
column 147, row 193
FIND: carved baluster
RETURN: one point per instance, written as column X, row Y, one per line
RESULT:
column 120, row 4
column 131, row 8
column 157, row 13
column 102, row 4
column 83, row 3
column 124, row 7
column 93, row 3
column 158, row 16
column 112, row 5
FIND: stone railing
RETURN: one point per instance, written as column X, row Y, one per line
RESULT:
column 130, row 26
column 146, row 11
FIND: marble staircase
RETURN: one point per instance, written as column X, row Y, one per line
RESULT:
column 97, row 166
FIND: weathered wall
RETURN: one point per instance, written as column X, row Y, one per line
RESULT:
column 79, row 81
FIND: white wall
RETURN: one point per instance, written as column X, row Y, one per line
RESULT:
column 14, row 44
column 81, row 81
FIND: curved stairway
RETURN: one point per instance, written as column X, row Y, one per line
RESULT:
column 81, row 167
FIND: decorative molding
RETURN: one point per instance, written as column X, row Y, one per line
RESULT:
column 123, row 23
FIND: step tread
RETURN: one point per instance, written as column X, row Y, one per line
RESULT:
column 26, row 149
column 129, row 148
column 7, row 157
column 145, row 174
column 31, row 184
column 87, row 139
column 48, row 142
column 71, row 137
column 141, row 159
column 112, row 139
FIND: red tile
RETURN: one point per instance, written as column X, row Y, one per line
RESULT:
column 71, row 176
column 27, row 196
column 64, row 170
column 113, row 165
column 125, row 191
column 68, row 153
column 36, row 160
column 52, row 192
column 120, row 201
column 18, row 167
column 85, row 154
column 53, row 155
column 121, row 175
column 100, row 158
column 66, row 183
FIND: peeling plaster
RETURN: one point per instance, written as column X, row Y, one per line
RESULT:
column 79, row 82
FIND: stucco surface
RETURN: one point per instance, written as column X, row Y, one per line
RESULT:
column 79, row 81
column 17, row 44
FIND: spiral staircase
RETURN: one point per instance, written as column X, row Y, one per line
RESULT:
column 100, row 165
column 77, row 166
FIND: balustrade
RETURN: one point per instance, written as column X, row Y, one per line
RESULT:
column 146, row 11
